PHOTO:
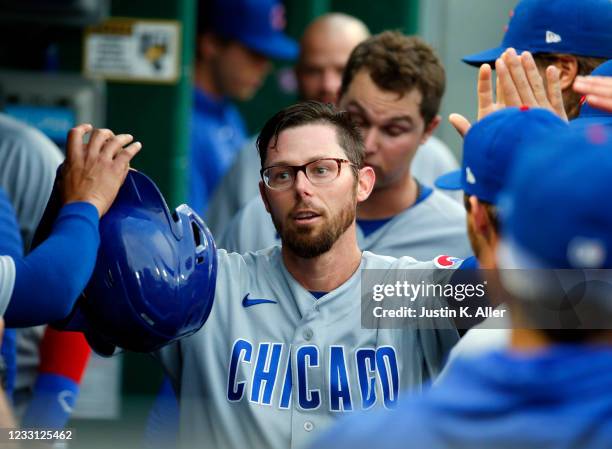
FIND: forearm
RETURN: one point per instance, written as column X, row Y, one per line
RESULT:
column 49, row 280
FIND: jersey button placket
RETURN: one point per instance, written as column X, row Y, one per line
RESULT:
column 308, row 426
column 308, row 334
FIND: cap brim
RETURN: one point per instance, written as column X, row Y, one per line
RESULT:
column 449, row 181
column 277, row 46
column 487, row 56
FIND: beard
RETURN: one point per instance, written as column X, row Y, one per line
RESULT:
column 308, row 242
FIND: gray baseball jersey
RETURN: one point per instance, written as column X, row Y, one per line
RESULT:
column 273, row 366
column 433, row 226
column 432, row 160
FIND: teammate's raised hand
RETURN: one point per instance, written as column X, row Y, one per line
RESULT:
column 520, row 83
column 487, row 102
column 598, row 90
column 94, row 171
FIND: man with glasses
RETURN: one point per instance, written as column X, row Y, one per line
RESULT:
column 392, row 87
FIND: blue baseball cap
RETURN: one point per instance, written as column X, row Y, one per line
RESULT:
column 491, row 145
column 576, row 27
column 257, row 24
column 589, row 114
column 554, row 212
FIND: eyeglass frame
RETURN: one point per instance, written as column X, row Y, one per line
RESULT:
column 302, row 168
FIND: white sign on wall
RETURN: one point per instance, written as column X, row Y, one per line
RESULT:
column 133, row 50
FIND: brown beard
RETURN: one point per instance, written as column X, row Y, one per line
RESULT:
column 307, row 244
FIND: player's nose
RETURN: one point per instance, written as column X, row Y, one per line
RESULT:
column 370, row 140
column 302, row 185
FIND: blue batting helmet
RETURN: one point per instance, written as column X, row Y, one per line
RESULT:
column 154, row 279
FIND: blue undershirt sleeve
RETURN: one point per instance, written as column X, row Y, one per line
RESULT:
column 49, row 280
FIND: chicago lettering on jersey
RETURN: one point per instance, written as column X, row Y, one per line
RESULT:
column 358, row 379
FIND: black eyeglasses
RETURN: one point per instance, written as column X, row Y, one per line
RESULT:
column 321, row 171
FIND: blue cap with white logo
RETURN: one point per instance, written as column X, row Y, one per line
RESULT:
column 491, row 145
column 555, row 211
column 576, row 27
column 589, row 114
column 257, row 24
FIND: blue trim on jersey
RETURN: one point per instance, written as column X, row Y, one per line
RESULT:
column 317, row 295
column 52, row 402
column 59, row 269
column 471, row 263
column 369, row 227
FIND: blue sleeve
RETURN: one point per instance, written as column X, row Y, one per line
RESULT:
column 52, row 402
column 10, row 239
column 49, row 280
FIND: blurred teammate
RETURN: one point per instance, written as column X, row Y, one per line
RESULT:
column 42, row 369
column 489, row 150
column 551, row 388
column 542, row 53
column 392, row 87
column 235, row 42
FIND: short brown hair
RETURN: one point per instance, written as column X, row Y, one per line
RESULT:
column 400, row 63
column 313, row 112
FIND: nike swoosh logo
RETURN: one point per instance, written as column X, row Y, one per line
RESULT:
column 246, row 302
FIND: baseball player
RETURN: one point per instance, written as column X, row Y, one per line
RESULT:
column 542, row 53
column 488, row 336
column 392, row 88
column 235, row 41
column 283, row 353
column 551, row 388
column 489, row 149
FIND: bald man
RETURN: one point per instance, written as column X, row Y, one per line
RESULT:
column 325, row 48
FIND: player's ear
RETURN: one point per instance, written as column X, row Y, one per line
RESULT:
column 568, row 70
column 365, row 183
column 430, row 128
column 206, row 46
column 481, row 220
column 264, row 198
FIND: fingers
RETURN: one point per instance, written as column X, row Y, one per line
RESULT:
column 461, row 124
column 517, row 73
column 594, row 85
column 115, row 144
column 485, row 91
column 535, row 80
column 506, row 84
column 554, row 91
column 128, row 153
column 97, row 140
column 75, row 149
